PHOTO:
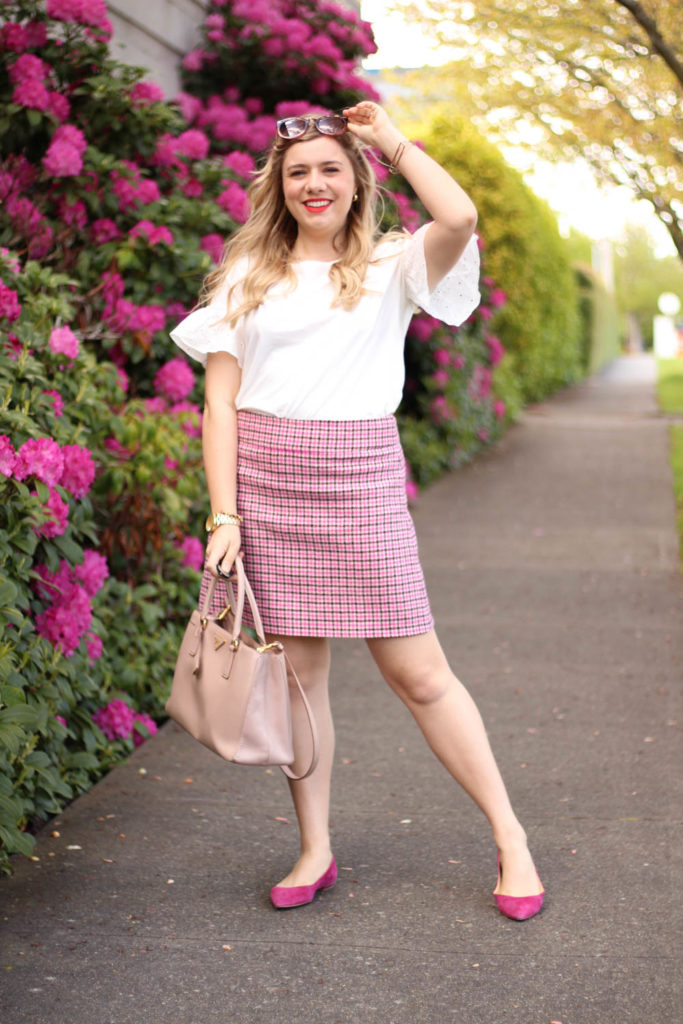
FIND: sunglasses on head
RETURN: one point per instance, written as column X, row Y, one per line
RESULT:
column 327, row 124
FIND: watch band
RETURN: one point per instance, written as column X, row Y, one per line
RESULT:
column 222, row 518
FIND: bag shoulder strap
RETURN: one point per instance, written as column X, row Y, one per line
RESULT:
column 315, row 741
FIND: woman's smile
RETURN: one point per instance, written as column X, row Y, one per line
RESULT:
column 317, row 205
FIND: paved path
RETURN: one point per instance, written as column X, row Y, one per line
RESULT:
column 553, row 569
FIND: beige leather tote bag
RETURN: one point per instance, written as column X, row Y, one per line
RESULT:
column 232, row 693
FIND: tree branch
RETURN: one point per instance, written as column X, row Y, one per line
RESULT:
column 659, row 44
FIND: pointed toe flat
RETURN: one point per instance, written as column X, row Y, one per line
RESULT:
column 283, row 897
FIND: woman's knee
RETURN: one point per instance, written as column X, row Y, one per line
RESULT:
column 415, row 667
column 422, row 684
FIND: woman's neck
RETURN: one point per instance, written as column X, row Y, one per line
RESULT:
column 321, row 250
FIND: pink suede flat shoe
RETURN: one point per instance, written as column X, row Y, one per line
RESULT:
column 519, row 908
column 285, row 896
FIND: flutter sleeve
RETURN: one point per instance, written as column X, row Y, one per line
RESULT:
column 456, row 295
column 205, row 330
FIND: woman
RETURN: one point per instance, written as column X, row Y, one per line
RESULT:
column 303, row 343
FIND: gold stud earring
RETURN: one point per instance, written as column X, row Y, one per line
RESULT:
column 355, row 197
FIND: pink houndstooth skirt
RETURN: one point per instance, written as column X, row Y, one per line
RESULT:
column 329, row 545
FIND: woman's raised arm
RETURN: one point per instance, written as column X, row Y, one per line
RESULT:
column 452, row 210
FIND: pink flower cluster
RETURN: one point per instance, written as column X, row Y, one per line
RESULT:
column 64, row 157
column 117, row 721
column 134, row 190
column 74, row 215
column 56, row 401
column 18, row 175
column 496, row 349
column 79, row 470
column 123, row 315
column 213, row 244
column 234, row 201
column 410, row 218
column 423, row 326
column 228, row 120
column 69, row 614
column 174, row 380
column 144, row 93
column 152, row 232
column 241, row 163
column 9, row 303
column 8, row 456
column 193, row 553
column 71, row 467
column 92, row 13
column 17, row 38
column 321, row 41
column 28, row 74
column 441, row 409
column 39, row 457
column 57, row 511
column 63, row 341
column 104, row 230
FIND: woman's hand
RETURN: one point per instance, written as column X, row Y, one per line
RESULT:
column 223, row 548
column 370, row 123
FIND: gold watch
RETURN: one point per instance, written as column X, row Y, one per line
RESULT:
column 215, row 519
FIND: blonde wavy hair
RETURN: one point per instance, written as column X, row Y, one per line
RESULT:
column 268, row 237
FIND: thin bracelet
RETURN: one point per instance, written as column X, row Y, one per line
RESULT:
column 400, row 150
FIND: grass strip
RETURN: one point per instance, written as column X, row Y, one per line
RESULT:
column 670, row 385
column 670, row 395
column 677, row 467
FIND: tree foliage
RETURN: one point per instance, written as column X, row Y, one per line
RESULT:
column 640, row 279
column 602, row 81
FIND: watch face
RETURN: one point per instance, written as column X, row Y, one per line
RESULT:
column 209, row 521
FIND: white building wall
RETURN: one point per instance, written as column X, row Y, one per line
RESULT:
column 156, row 34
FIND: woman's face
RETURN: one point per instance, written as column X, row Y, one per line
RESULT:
column 318, row 185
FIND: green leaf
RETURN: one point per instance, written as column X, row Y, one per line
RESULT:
column 26, row 542
column 19, row 714
column 12, row 695
column 8, row 592
column 15, row 841
column 81, row 759
column 43, row 491
column 70, row 549
column 10, row 809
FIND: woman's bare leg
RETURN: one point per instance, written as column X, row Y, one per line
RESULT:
column 416, row 669
column 310, row 657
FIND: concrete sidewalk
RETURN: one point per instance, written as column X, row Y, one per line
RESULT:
column 552, row 565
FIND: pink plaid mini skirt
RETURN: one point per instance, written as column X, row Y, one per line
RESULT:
column 329, row 545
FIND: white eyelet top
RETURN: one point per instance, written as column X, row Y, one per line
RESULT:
column 301, row 359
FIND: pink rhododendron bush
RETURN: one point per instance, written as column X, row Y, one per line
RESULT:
column 113, row 206
column 104, row 202
column 95, row 560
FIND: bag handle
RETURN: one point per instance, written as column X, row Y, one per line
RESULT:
column 244, row 590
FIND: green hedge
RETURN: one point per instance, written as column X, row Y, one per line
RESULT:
column 599, row 321
column 539, row 325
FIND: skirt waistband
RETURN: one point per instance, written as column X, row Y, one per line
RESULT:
column 333, row 435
